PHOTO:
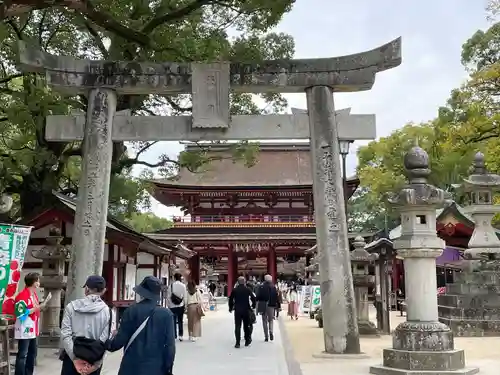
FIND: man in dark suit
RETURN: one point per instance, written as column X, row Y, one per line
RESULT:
column 241, row 301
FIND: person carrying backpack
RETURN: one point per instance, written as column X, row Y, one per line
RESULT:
column 176, row 303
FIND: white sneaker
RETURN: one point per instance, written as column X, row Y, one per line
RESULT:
column 181, row 339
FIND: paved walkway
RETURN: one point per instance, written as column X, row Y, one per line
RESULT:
column 213, row 353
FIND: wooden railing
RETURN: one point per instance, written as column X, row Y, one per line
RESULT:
column 242, row 220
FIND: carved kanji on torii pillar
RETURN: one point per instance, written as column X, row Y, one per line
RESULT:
column 210, row 85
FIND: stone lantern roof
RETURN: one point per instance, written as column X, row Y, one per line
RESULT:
column 418, row 192
column 480, row 177
column 359, row 255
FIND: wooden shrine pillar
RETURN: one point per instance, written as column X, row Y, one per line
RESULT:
column 231, row 271
column 271, row 264
column 235, row 268
column 308, row 263
column 108, row 272
column 194, row 267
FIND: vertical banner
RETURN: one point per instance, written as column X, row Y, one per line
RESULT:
column 13, row 244
column 305, row 299
column 316, row 297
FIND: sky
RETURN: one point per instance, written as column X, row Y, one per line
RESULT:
column 432, row 31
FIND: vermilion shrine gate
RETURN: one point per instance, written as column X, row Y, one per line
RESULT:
column 239, row 214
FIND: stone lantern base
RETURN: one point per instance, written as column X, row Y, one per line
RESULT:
column 423, row 348
column 471, row 305
column 46, row 340
column 367, row 327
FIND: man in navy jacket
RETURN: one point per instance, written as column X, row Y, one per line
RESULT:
column 146, row 333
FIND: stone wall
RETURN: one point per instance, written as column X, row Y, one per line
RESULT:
column 471, row 305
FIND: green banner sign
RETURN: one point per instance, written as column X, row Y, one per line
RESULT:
column 13, row 244
column 316, row 297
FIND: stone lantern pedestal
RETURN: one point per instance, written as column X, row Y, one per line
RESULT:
column 421, row 345
column 362, row 280
column 53, row 257
column 471, row 305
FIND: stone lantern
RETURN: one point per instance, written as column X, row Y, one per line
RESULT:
column 422, row 344
column 470, row 301
column 53, row 256
column 481, row 186
column 362, row 280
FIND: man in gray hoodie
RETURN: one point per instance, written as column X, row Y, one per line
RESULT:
column 88, row 317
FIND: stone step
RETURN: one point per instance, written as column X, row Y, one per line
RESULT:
column 469, row 301
column 483, row 277
column 482, row 313
column 471, row 288
column 473, row 328
column 448, row 360
column 383, row 370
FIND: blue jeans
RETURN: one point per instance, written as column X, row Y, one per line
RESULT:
column 26, row 356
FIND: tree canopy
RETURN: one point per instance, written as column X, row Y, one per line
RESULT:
column 467, row 123
column 164, row 30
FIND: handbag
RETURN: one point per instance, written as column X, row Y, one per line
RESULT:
column 91, row 350
column 138, row 330
column 199, row 308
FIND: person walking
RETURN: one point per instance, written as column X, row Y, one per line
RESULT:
column 293, row 303
column 194, row 311
column 86, row 322
column 267, row 301
column 279, row 302
column 26, row 326
column 253, row 318
column 242, row 302
column 146, row 333
column 176, row 302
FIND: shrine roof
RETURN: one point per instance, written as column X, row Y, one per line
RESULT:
column 454, row 209
column 145, row 243
column 278, row 165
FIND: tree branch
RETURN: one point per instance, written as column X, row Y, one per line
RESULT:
column 100, row 18
column 97, row 38
column 41, row 27
column 145, row 148
column 175, row 15
column 16, row 29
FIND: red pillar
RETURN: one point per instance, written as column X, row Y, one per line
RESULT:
column 271, row 264
column 231, row 280
column 194, row 267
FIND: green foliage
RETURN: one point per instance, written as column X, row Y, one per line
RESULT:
column 163, row 30
column 469, row 122
column 381, row 168
column 146, row 222
column 366, row 213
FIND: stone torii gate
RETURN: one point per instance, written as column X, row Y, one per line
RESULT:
column 210, row 85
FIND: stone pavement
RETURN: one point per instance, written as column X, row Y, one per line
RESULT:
column 213, row 353
column 307, row 342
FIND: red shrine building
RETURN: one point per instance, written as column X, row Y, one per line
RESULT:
column 243, row 220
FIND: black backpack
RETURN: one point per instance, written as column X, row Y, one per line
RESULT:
column 91, row 350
